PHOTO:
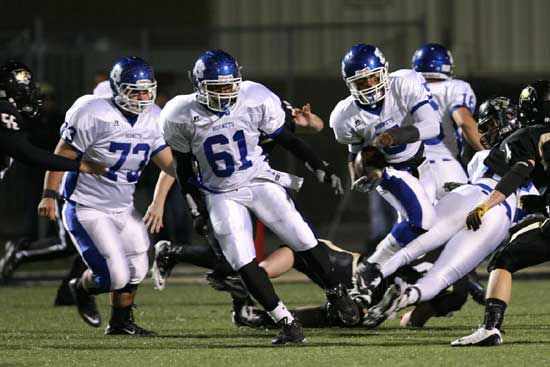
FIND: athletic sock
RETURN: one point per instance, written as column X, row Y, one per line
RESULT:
column 281, row 312
column 120, row 316
column 494, row 313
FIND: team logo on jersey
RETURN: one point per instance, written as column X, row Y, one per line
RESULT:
column 195, row 118
column 358, row 122
column 116, row 123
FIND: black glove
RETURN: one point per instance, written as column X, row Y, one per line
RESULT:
column 473, row 221
column 450, row 186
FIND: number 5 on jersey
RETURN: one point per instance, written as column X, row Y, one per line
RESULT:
column 224, row 156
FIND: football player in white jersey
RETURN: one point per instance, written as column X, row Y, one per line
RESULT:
column 219, row 126
column 121, row 131
column 464, row 249
column 393, row 113
column 455, row 103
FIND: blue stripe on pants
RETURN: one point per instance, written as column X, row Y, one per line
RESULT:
column 89, row 251
column 406, row 196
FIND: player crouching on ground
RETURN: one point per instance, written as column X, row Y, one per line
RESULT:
column 123, row 133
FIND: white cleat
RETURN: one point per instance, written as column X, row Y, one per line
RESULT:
column 480, row 338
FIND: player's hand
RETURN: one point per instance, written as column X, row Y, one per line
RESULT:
column 450, row 186
column 46, row 208
column 200, row 224
column 473, row 221
column 327, row 176
column 92, row 167
column 368, row 182
column 384, row 140
column 153, row 218
column 305, row 118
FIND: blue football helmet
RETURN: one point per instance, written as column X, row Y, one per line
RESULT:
column 217, row 80
column 129, row 78
column 362, row 65
column 433, row 61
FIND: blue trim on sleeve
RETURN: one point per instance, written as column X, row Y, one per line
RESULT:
column 158, row 149
column 276, row 132
column 419, row 104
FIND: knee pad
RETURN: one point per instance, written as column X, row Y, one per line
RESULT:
column 404, row 232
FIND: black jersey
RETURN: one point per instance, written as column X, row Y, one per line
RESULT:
column 15, row 145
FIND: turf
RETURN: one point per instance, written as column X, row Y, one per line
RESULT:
column 196, row 330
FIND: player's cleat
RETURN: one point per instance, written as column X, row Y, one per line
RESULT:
column 228, row 283
column 346, row 308
column 130, row 329
column 10, row 262
column 163, row 264
column 64, row 296
column 367, row 277
column 394, row 300
column 85, row 303
column 290, row 333
column 249, row 315
column 481, row 338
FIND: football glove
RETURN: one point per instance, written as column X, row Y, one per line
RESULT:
column 325, row 175
column 367, row 183
column 450, row 186
column 473, row 221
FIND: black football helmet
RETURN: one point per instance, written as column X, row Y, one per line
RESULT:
column 497, row 119
column 534, row 103
column 18, row 86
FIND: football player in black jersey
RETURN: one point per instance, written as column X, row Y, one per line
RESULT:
column 526, row 155
column 19, row 104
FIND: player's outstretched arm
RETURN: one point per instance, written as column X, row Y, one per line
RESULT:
column 464, row 119
column 301, row 150
column 52, row 180
column 165, row 161
column 20, row 149
column 516, row 177
column 307, row 120
column 154, row 215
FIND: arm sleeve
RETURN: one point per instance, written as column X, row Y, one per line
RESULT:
column 186, row 176
column 19, row 148
column 299, row 148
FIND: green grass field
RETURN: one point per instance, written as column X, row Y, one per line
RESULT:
column 196, row 330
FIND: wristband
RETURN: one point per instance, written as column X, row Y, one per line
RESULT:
column 50, row 194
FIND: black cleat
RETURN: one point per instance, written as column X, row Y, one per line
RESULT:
column 130, row 329
column 367, row 276
column 290, row 333
column 246, row 313
column 346, row 308
column 228, row 283
column 64, row 296
column 87, row 308
column 10, row 262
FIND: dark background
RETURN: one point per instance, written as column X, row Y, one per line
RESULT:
column 293, row 47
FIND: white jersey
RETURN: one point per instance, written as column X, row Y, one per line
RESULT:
column 476, row 171
column 359, row 127
column 96, row 128
column 447, row 96
column 225, row 146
